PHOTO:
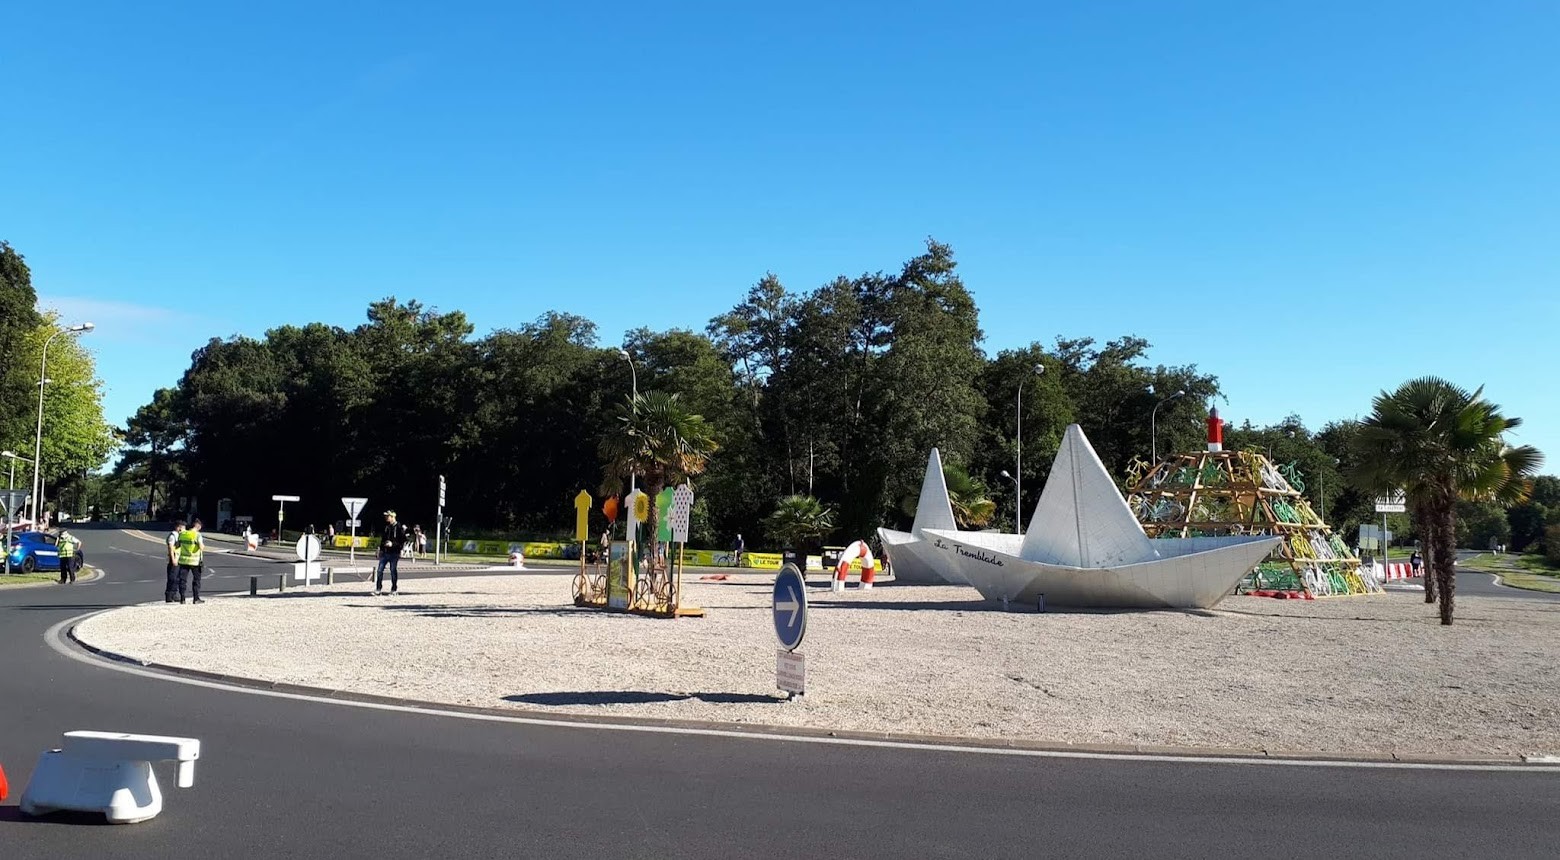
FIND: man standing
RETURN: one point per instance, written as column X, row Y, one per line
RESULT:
column 390, row 545
column 191, row 555
column 171, row 591
column 737, row 548
column 67, row 548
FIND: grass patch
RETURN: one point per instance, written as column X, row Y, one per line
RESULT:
column 1531, row 581
column 23, row 578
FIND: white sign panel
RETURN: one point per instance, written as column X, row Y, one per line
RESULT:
column 354, row 523
column 354, row 505
column 681, row 513
column 790, row 672
column 441, row 491
column 285, row 498
column 308, row 548
column 1394, row 503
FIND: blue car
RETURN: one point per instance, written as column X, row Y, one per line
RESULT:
column 32, row 551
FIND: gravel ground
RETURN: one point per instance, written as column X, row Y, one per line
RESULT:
column 1364, row 675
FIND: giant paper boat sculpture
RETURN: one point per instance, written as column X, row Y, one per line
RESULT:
column 910, row 554
column 1084, row 548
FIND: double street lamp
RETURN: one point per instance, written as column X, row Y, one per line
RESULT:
column 43, row 371
column 633, row 475
column 1018, row 478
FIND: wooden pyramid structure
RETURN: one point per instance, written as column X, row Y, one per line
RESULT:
column 1218, row 492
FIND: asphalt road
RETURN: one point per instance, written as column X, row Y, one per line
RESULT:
column 287, row 778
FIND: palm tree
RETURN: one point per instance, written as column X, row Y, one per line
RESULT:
column 799, row 521
column 1442, row 443
column 972, row 507
column 654, row 437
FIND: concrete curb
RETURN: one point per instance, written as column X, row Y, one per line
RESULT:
column 763, row 730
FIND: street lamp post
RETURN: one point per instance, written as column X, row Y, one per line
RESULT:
column 631, row 528
column 1153, row 422
column 1017, row 514
column 43, row 369
column 1018, row 479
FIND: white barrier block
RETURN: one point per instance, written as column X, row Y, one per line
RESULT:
column 107, row 772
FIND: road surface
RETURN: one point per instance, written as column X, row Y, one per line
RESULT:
column 282, row 777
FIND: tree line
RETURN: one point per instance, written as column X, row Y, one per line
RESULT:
column 835, row 394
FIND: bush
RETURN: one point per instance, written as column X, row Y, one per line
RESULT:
column 1552, row 545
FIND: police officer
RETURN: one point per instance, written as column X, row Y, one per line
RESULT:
column 190, row 553
column 67, row 547
column 171, row 590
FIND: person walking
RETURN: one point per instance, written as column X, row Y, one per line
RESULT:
column 420, row 541
column 391, row 541
column 737, row 548
column 330, row 535
column 191, row 557
column 1417, row 562
column 67, row 556
column 171, row 590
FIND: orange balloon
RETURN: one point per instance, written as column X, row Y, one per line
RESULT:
column 610, row 508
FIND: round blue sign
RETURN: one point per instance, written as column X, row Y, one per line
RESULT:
column 790, row 607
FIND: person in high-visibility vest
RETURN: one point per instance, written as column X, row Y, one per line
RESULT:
column 171, row 589
column 190, row 552
column 67, row 547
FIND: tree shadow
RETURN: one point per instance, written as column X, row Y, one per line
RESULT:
column 428, row 610
column 356, row 592
column 637, row 697
column 966, row 606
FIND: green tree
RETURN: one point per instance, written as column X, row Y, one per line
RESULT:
column 151, row 435
column 1442, row 443
column 18, row 366
column 76, row 437
column 799, row 522
column 652, row 435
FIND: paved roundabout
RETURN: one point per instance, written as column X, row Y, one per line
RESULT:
column 289, row 775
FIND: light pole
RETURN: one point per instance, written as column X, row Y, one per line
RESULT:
column 1018, row 481
column 1153, row 422
column 43, row 369
column 1321, row 479
column 1017, row 514
column 631, row 532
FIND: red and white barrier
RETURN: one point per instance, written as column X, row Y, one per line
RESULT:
column 856, row 550
column 1398, row 570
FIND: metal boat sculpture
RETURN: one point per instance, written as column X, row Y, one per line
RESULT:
column 1083, row 547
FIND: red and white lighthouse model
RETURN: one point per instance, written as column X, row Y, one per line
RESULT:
column 1215, row 431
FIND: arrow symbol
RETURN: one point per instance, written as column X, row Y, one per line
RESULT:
column 789, row 604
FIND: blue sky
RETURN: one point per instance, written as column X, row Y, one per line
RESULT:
column 1313, row 201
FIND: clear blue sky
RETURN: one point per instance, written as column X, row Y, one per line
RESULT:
column 1313, row 201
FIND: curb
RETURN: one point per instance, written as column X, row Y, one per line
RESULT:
column 766, row 730
column 91, row 574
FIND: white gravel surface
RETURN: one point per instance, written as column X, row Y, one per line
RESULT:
column 1363, row 675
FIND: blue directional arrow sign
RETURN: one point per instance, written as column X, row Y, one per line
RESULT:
column 790, row 607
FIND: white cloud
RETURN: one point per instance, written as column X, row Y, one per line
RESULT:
column 114, row 319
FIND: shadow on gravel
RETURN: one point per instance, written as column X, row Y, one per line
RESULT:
column 638, row 697
column 967, row 606
column 354, row 592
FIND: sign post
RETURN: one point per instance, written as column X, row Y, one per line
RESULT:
column 789, row 609
column 438, row 534
column 281, row 510
column 582, row 524
column 680, row 515
column 11, row 499
column 1394, row 502
column 354, row 506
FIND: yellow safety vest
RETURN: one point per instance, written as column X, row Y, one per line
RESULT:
column 189, row 548
column 67, row 546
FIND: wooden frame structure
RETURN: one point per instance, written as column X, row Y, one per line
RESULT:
column 1214, row 493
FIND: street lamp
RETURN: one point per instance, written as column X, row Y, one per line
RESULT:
column 1016, row 512
column 1153, row 422
column 1018, row 482
column 633, row 475
column 1321, row 480
column 43, row 369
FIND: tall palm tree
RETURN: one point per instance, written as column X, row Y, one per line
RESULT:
column 654, row 437
column 1442, row 443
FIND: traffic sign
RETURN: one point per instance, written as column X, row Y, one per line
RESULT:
column 286, row 498
column 682, row 511
column 354, row 505
column 308, row 548
column 1395, row 502
column 441, row 491
column 582, row 516
column 354, row 523
column 13, row 500
column 790, row 607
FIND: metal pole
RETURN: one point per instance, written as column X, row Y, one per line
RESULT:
column 438, row 532
column 1018, row 476
column 43, row 369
